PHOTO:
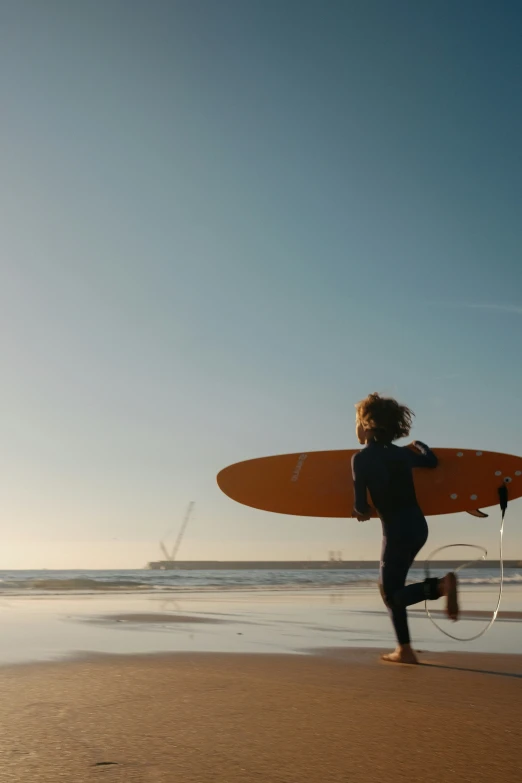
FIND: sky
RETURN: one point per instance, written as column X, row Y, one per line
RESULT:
column 221, row 225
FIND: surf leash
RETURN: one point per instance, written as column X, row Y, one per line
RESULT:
column 503, row 500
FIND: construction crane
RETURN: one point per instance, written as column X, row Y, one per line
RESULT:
column 182, row 529
column 170, row 558
column 164, row 550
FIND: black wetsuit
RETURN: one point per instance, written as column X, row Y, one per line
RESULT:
column 385, row 471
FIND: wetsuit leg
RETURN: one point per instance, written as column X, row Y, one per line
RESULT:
column 395, row 564
column 401, row 544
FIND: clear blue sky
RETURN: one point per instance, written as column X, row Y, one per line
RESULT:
column 223, row 223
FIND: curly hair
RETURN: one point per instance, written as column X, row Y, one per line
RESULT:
column 389, row 419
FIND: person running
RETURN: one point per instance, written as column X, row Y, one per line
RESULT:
column 385, row 471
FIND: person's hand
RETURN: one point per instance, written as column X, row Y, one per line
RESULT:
column 360, row 517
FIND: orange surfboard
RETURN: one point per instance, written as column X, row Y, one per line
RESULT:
column 319, row 483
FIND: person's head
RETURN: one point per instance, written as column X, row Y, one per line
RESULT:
column 382, row 419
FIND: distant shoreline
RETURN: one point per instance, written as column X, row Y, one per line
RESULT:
column 302, row 565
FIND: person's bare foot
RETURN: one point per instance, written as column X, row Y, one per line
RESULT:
column 401, row 655
column 451, row 593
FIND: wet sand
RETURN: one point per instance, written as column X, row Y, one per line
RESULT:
column 472, row 614
column 47, row 628
column 204, row 718
column 153, row 618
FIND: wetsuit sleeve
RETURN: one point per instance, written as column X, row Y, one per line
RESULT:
column 360, row 504
column 421, row 456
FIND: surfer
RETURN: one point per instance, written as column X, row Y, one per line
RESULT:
column 385, row 471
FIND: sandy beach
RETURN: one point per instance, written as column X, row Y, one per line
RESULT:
column 200, row 718
column 256, row 685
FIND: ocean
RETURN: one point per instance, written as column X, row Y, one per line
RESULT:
column 47, row 582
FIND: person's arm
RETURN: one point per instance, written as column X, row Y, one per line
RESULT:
column 422, row 456
column 361, row 509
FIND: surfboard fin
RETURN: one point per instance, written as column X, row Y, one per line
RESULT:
column 477, row 513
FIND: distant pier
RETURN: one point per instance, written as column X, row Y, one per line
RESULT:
column 303, row 565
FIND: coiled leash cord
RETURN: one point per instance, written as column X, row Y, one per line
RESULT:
column 503, row 499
